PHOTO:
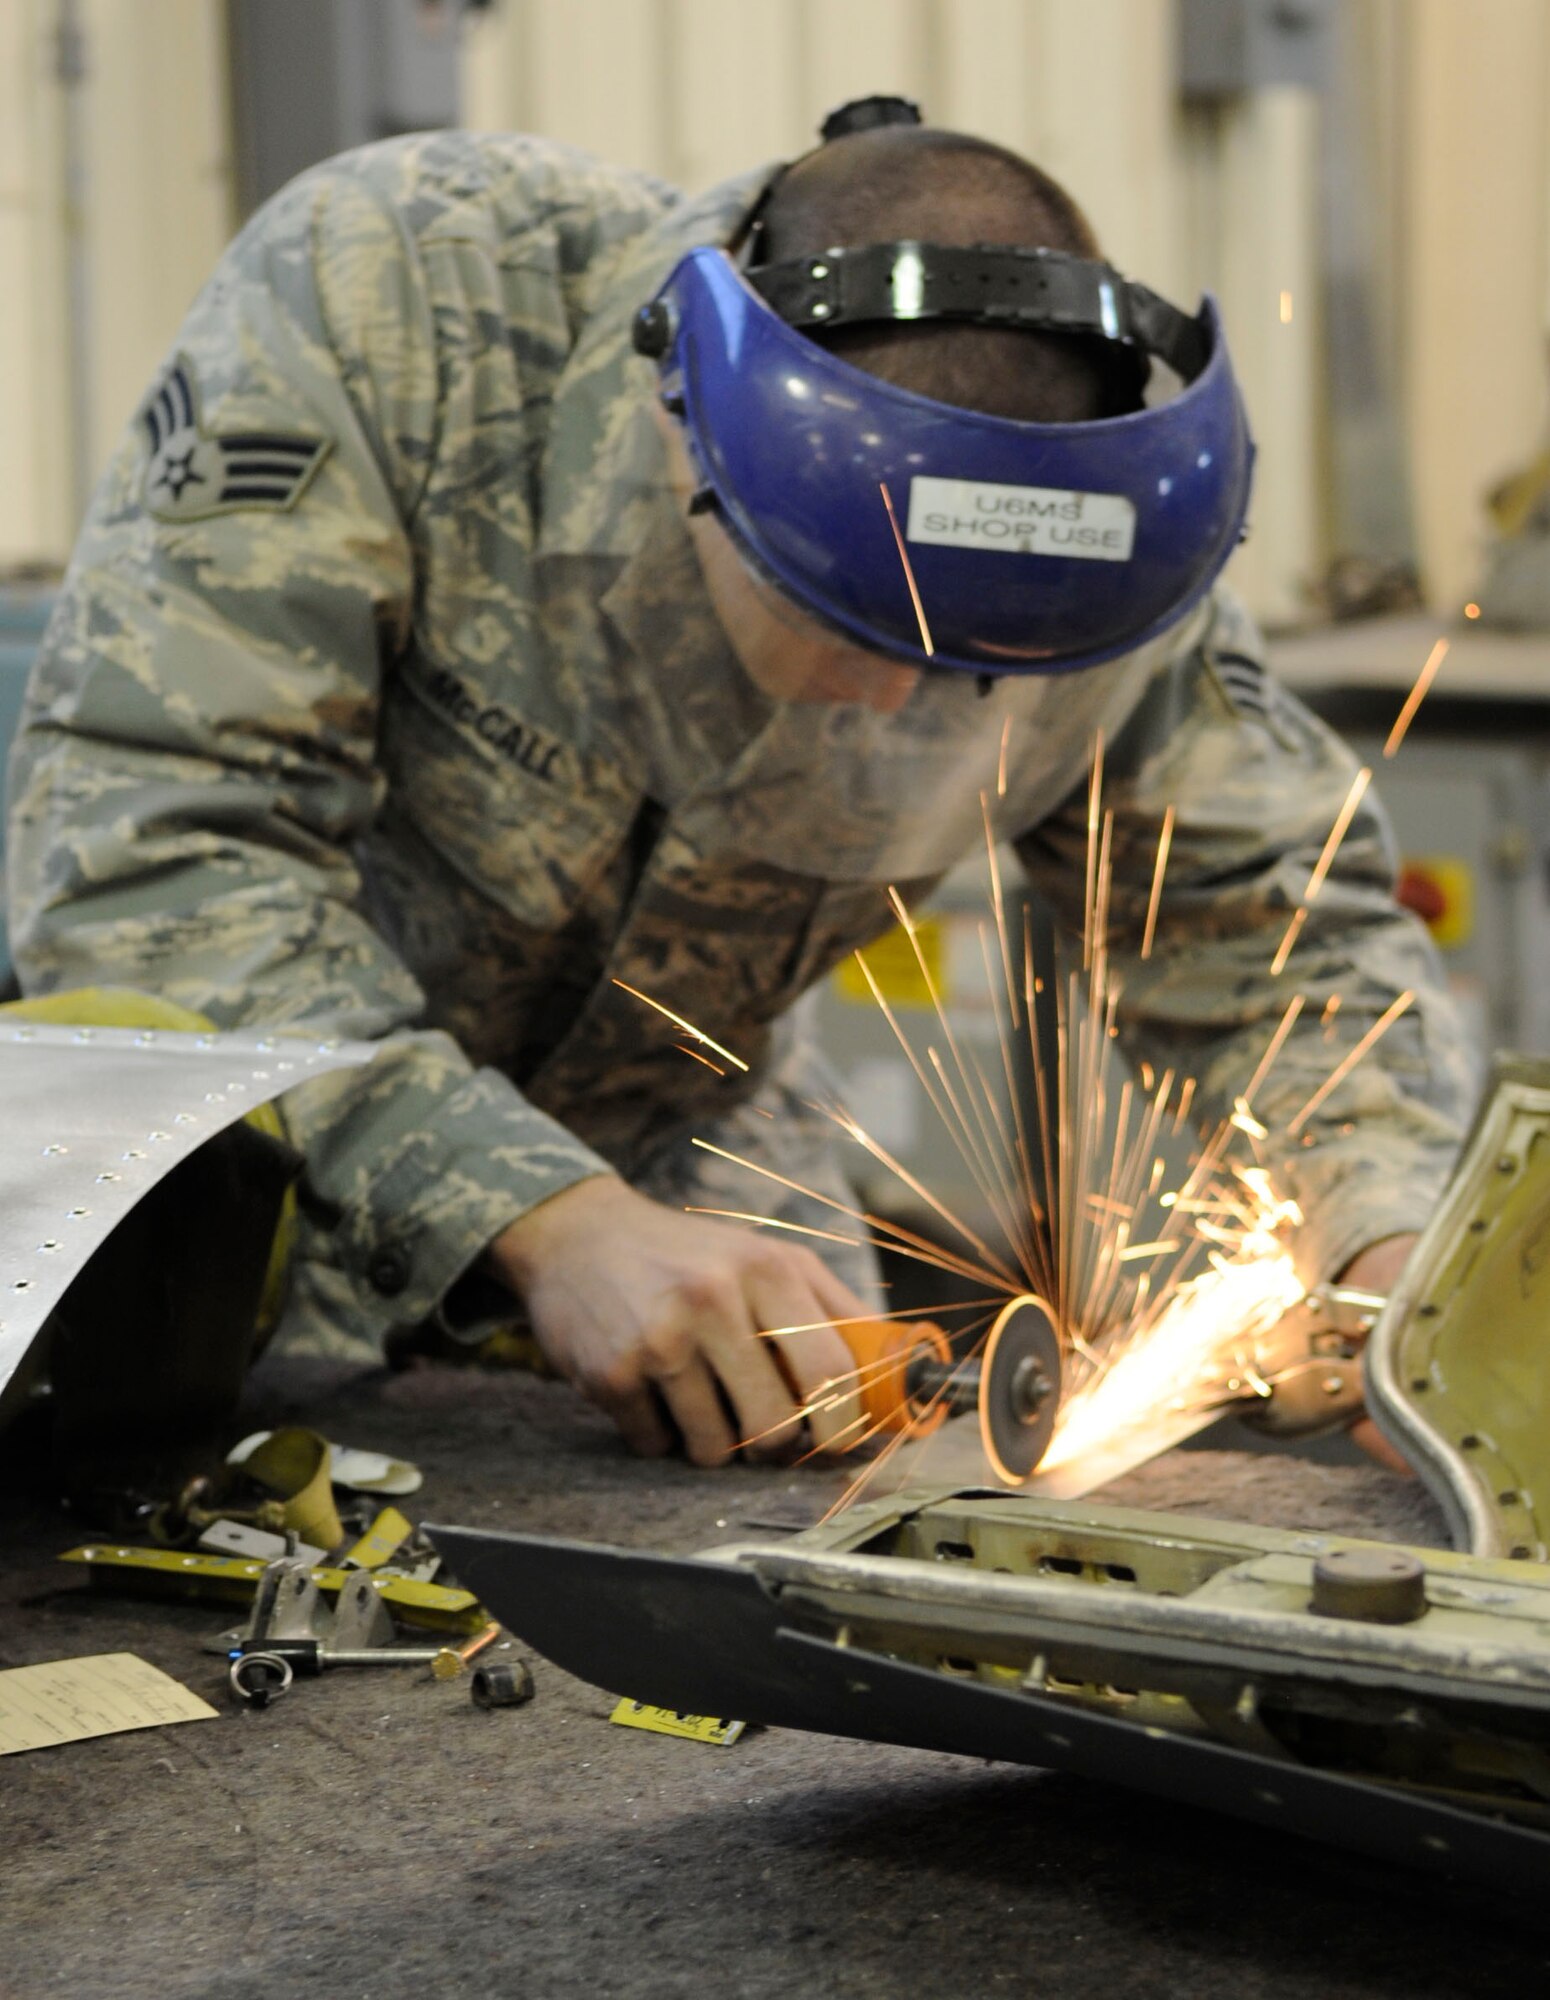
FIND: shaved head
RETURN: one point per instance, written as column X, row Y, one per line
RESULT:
column 915, row 182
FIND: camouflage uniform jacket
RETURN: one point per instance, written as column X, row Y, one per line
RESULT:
column 383, row 695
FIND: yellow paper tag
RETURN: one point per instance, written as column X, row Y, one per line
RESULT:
column 892, row 962
column 63, row 1701
column 669, row 1722
column 381, row 1540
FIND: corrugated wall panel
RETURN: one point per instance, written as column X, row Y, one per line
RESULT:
column 92, row 288
column 36, row 517
column 1477, row 189
column 158, row 175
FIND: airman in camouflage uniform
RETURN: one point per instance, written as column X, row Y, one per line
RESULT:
column 385, row 695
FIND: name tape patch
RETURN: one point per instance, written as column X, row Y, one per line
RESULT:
column 1021, row 520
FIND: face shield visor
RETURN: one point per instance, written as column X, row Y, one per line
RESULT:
column 929, row 534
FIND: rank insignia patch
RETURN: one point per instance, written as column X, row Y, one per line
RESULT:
column 191, row 475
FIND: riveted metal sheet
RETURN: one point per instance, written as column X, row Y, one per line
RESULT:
column 93, row 1118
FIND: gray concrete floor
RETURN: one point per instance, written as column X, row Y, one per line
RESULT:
column 374, row 1835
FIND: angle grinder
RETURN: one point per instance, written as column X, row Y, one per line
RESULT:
column 909, row 1379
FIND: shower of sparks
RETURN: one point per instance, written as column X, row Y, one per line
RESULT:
column 1321, row 867
column 695, row 1034
column 1161, row 1282
column 909, row 572
column 1417, row 694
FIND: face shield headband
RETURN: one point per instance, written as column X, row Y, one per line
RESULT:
column 929, row 533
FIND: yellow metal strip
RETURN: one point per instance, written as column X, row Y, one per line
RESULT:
column 669, row 1722
column 381, row 1541
column 234, row 1579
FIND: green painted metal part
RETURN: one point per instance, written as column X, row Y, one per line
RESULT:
column 1458, row 1366
column 1201, row 1627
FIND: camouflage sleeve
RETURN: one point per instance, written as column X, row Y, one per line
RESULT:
column 197, row 753
column 1256, row 783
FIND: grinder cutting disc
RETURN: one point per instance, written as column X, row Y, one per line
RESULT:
column 1019, row 1389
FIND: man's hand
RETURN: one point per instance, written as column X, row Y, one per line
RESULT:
column 628, row 1298
column 1377, row 1269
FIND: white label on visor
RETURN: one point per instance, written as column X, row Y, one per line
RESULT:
column 1022, row 520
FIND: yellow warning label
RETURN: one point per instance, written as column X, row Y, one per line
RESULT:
column 894, row 964
column 1441, row 889
column 671, row 1722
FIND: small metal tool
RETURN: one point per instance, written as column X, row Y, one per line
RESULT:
column 502, row 1684
column 451, row 1660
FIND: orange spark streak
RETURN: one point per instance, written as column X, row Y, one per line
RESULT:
column 1094, row 794
column 1164, row 842
column 778, row 1222
column 1321, row 867
column 1416, row 696
column 1348, row 1062
column 678, row 1021
column 1276, row 1042
column 699, row 1058
column 866, row 1319
column 1006, row 737
column 909, row 573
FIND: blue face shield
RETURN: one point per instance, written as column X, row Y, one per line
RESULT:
column 929, row 533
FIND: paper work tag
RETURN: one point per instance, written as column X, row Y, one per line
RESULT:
column 65, row 1701
column 669, row 1722
column 1021, row 520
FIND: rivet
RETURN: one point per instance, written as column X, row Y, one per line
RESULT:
column 818, row 270
column 1506, row 1164
column 55, row 1150
column 110, row 1177
column 820, row 310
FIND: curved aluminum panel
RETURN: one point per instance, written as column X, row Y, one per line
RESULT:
column 94, row 1117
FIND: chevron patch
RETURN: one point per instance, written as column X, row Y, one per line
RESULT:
column 190, row 475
